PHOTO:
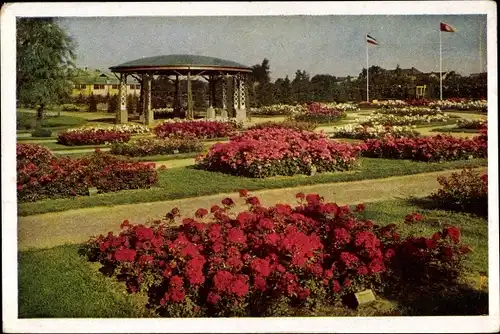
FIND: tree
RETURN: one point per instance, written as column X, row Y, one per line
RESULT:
column 45, row 56
column 324, row 88
column 301, row 87
column 261, row 73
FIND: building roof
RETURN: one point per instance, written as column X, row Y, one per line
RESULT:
column 100, row 77
column 180, row 63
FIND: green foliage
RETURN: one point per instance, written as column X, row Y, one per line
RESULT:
column 45, row 54
column 69, row 107
column 113, row 103
column 41, row 132
column 153, row 146
column 132, row 103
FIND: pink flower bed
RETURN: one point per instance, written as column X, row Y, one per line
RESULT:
column 199, row 129
column 221, row 264
column 279, row 151
column 92, row 137
column 436, row 148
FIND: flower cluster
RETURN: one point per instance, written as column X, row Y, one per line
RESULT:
column 162, row 111
column 92, row 137
column 228, row 265
column 154, row 146
column 436, row 148
column 42, row 175
column 465, row 191
column 131, row 128
column 413, row 218
column 201, row 129
column 320, row 113
column 475, row 124
column 460, row 104
column 289, row 124
column 278, row 110
column 354, row 131
column 279, row 151
column 410, row 111
column 389, row 119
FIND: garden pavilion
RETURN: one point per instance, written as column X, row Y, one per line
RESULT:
column 224, row 76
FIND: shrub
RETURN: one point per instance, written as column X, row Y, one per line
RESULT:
column 410, row 111
column 437, row 148
column 130, row 128
column 277, row 110
column 199, row 128
column 288, row 124
column 70, row 107
column 319, row 113
column 25, row 121
column 41, row 175
column 392, row 120
column 91, row 137
column 252, row 263
column 41, row 132
column 465, row 191
column 279, row 151
column 475, row 124
column 153, row 146
column 92, row 103
column 113, row 103
column 376, row 131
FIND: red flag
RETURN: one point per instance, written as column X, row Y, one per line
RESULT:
column 446, row 27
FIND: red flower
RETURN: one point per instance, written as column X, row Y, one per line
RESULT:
column 214, row 208
column 200, row 213
column 236, row 236
column 313, row 198
column 145, row 259
column 124, row 224
column 253, row 201
column 239, row 286
column 176, row 295
column 213, row 298
column 300, row 196
column 453, row 233
column 389, row 253
column 144, row 233
column 376, row 266
column 265, row 223
column 261, row 267
column 227, row 201
column 360, row 208
column 348, row 259
column 336, row 286
column 125, row 255
column 260, row 283
column 243, row 193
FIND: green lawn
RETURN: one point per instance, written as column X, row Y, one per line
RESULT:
column 184, row 182
column 58, row 283
column 454, row 129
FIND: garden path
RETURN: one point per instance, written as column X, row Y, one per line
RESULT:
column 76, row 226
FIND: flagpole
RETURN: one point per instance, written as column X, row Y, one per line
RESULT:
column 367, row 72
column 440, row 67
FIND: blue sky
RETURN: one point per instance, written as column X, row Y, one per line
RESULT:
column 318, row 44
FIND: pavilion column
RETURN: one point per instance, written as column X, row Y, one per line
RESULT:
column 241, row 112
column 149, row 117
column 190, row 113
column 121, row 113
column 224, row 97
column 211, row 99
column 177, row 98
column 236, row 96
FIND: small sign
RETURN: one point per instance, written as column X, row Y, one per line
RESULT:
column 364, row 297
column 92, row 191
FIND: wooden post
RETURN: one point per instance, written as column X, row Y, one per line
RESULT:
column 122, row 114
column 149, row 118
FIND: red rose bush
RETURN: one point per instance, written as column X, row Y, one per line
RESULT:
column 74, row 137
column 436, row 148
column 201, row 129
column 279, row 151
column 42, row 175
column 319, row 113
column 223, row 264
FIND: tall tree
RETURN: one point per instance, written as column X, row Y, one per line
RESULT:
column 45, row 56
column 301, row 87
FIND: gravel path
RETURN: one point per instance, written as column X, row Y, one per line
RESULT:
column 76, row 226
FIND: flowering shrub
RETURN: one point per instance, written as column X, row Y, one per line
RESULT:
column 278, row 151
column 91, row 137
column 475, row 124
column 436, row 148
column 243, row 265
column 377, row 131
column 448, row 104
column 320, row 113
column 403, row 120
column 151, row 146
column 277, row 110
column 289, row 124
column 162, row 112
column 42, row 175
column 202, row 129
column 465, row 191
column 410, row 111
column 131, row 128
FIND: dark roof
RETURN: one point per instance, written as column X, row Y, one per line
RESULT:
column 180, row 61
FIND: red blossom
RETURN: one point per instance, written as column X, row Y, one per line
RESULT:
column 227, row 202
column 253, row 201
column 453, row 233
column 300, row 196
column 360, row 208
column 200, row 213
column 127, row 255
column 243, row 192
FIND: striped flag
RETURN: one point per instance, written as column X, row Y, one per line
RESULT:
column 446, row 27
column 371, row 40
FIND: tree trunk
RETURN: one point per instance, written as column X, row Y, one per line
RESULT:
column 39, row 112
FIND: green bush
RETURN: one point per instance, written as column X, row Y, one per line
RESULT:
column 289, row 124
column 41, row 132
column 113, row 103
column 92, row 104
column 25, row 121
column 70, row 107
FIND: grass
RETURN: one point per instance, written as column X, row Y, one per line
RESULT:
column 58, row 283
column 185, row 182
column 474, row 131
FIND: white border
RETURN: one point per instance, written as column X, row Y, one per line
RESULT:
column 375, row 325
